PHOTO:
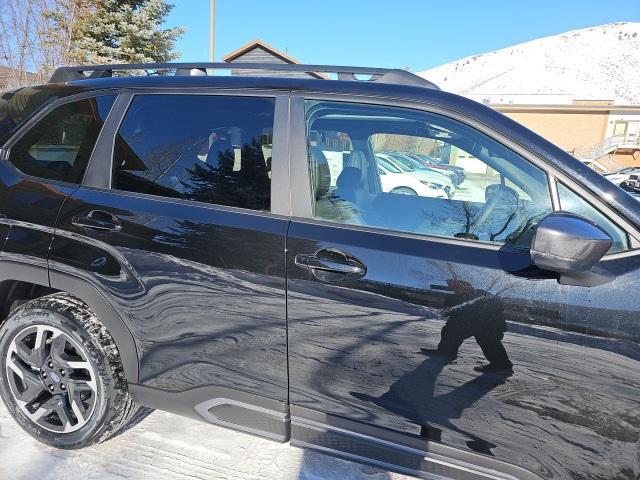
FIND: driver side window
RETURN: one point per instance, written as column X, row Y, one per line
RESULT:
column 422, row 173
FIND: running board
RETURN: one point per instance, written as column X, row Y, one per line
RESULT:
column 394, row 451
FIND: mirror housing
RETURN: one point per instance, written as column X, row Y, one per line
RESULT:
column 571, row 246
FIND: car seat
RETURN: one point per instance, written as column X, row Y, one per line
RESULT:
column 328, row 205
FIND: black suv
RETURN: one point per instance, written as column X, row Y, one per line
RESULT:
column 225, row 247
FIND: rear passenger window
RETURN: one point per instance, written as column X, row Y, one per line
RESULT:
column 212, row 149
column 417, row 172
column 59, row 146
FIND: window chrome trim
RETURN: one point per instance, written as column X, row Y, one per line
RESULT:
column 424, row 106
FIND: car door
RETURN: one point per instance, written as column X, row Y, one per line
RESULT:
column 425, row 317
column 42, row 164
column 184, row 231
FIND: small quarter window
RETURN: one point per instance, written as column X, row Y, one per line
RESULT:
column 571, row 202
column 58, row 147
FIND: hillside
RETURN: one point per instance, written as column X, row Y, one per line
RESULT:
column 601, row 62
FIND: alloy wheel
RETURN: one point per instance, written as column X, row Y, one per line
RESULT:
column 51, row 379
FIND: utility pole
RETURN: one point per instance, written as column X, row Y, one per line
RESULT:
column 212, row 30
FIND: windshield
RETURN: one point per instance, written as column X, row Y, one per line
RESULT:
column 410, row 163
column 399, row 165
column 427, row 158
column 384, row 163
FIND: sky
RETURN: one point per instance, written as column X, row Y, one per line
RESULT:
column 418, row 34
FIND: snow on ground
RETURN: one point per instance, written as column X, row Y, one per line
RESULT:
column 165, row 446
column 592, row 63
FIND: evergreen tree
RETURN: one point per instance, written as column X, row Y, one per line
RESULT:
column 126, row 31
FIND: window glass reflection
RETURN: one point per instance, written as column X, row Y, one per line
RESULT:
column 213, row 149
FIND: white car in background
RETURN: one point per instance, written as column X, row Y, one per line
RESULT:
column 622, row 175
column 393, row 180
column 422, row 174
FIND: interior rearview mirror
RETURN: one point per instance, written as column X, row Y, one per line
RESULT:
column 571, row 246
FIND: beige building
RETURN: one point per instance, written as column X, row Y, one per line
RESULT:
column 605, row 135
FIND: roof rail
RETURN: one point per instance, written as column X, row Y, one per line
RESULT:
column 382, row 75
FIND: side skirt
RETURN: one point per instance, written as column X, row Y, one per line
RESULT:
column 222, row 406
column 333, row 435
column 394, row 451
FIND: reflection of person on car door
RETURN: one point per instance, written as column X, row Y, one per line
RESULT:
column 474, row 313
column 470, row 313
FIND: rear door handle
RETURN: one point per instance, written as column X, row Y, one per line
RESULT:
column 333, row 261
column 98, row 220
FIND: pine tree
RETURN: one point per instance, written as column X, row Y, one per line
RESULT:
column 126, row 31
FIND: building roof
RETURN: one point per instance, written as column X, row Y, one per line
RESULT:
column 9, row 76
column 257, row 43
column 264, row 45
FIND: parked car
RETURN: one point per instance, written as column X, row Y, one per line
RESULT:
column 410, row 167
column 188, row 248
column 631, row 184
column 411, row 161
column 622, row 174
column 459, row 174
column 393, row 180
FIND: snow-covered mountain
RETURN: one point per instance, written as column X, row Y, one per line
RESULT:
column 600, row 63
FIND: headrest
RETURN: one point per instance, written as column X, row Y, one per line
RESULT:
column 357, row 159
column 320, row 173
column 500, row 192
column 221, row 155
column 350, row 178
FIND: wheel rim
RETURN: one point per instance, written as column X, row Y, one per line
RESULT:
column 51, row 379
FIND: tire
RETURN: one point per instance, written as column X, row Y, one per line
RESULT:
column 60, row 333
column 404, row 191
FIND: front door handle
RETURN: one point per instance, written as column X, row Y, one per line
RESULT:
column 332, row 261
column 98, row 220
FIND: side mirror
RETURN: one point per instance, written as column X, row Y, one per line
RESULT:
column 570, row 245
